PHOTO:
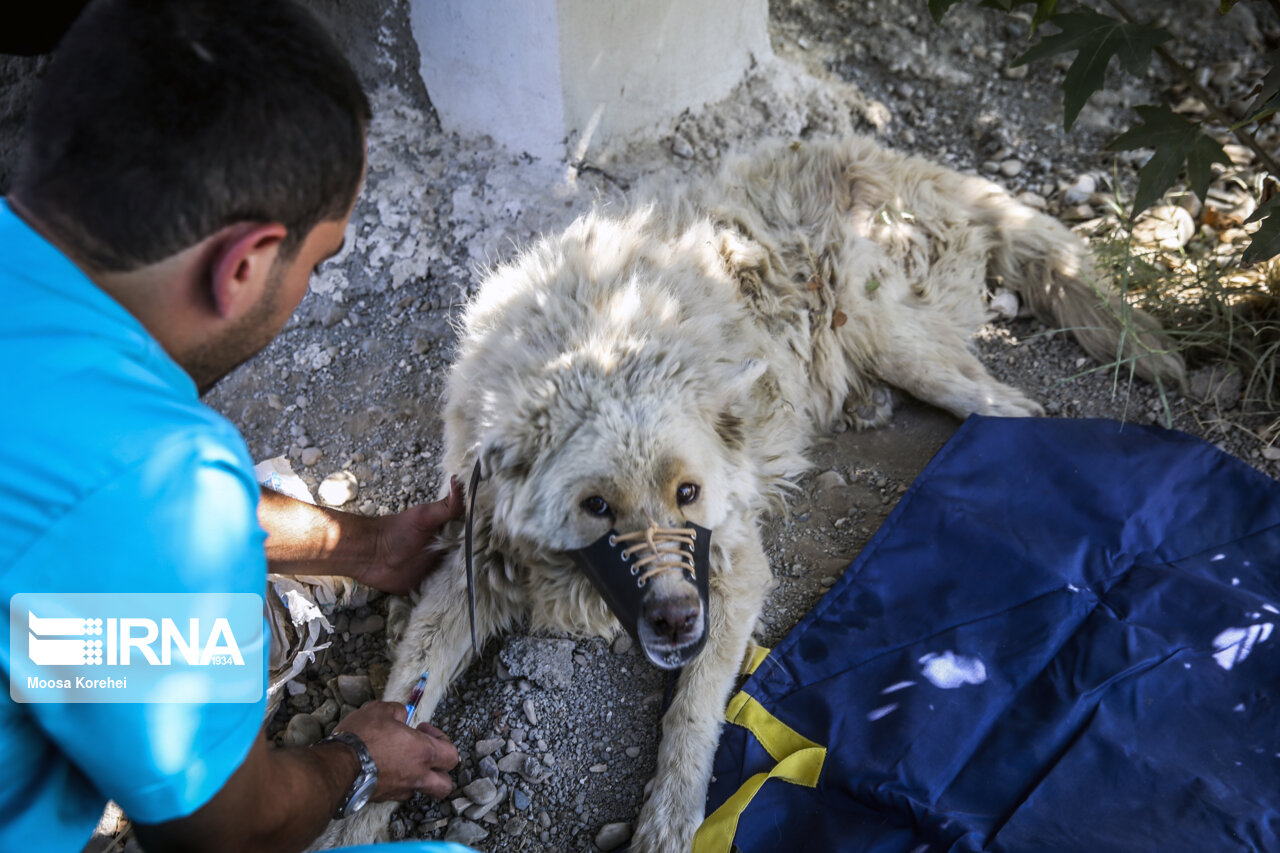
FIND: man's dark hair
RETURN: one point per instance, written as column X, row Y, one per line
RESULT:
column 161, row 121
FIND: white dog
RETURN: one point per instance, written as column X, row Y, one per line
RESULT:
column 668, row 366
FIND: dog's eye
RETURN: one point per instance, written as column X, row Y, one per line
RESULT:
column 596, row 505
column 686, row 493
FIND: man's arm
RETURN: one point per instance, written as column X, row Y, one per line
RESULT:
column 280, row 800
column 392, row 553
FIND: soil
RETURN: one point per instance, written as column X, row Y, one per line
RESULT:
column 354, row 382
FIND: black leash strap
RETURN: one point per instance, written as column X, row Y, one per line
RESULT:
column 471, row 573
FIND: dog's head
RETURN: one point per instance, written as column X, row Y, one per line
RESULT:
column 612, row 383
column 625, row 486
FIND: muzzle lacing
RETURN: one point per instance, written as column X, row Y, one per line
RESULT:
column 662, row 544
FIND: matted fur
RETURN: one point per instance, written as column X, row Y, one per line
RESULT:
column 704, row 336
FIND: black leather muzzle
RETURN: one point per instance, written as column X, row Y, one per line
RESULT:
column 614, row 576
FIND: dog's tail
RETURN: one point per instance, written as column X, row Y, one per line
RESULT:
column 1051, row 269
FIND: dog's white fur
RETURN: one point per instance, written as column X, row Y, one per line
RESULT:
column 703, row 337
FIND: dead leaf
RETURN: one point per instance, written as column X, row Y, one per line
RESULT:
column 838, row 319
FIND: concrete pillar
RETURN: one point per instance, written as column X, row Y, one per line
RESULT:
column 564, row 78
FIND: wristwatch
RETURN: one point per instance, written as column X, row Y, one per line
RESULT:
column 362, row 788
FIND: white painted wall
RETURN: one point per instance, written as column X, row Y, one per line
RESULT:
column 535, row 74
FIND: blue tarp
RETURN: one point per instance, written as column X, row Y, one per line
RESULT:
column 1062, row 639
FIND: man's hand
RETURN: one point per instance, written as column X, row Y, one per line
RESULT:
column 280, row 799
column 392, row 553
column 409, row 759
column 404, row 555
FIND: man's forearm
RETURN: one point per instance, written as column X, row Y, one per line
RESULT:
column 303, row 539
column 279, row 801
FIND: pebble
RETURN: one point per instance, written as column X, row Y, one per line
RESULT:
column 482, row 791
column 338, row 488
column 310, row 456
column 303, row 730
column 370, row 624
column 512, row 762
column 354, row 689
column 1078, row 192
column 621, row 644
column 465, row 832
column 488, row 746
column 530, row 713
column 598, row 768
column 633, row 752
column 327, row 712
column 1012, row 167
column 612, row 836
column 514, row 825
column 488, row 768
column 546, row 662
column 1034, row 200
column 1166, row 226
column 520, row 800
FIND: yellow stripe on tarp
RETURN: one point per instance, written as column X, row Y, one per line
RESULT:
column 752, row 661
column 800, row 762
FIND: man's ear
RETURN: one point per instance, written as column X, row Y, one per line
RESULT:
column 241, row 266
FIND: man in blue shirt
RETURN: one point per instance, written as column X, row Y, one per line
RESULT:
column 187, row 165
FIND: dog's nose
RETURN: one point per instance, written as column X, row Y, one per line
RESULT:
column 673, row 620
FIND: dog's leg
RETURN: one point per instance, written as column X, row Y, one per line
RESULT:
column 691, row 726
column 437, row 638
column 932, row 361
column 870, row 410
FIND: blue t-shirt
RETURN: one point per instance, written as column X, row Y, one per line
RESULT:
column 114, row 478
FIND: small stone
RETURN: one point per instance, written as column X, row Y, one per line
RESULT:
column 1011, row 168
column 338, row 488
column 546, row 662
column 465, row 832
column 482, row 791
column 598, row 768
column 1016, row 72
column 488, row 746
column 829, row 480
column 1080, row 191
column 520, row 800
column 459, row 805
column 512, row 762
column 514, row 825
column 1166, row 226
column 1272, row 453
column 303, row 730
column 612, row 836
column 370, row 624
column 621, row 644
column 488, row 768
column 310, row 456
column 327, row 712
column 354, row 689
column 633, row 752
column 530, row 713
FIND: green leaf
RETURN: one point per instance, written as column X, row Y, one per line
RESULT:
column 1176, row 141
column 1095, row 39
column 938, row 8
column 1268, row 91
column 1266, row 240
column 1225, row 5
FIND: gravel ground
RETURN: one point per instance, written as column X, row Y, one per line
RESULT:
column 558, row 735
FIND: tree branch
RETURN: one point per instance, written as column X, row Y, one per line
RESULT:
column 1200, row 92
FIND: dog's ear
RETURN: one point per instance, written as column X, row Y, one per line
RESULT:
column 726, row 403
column 506, row 455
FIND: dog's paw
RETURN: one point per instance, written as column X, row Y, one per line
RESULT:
column 867, row 412
column 1009, row 403
column 664, row 829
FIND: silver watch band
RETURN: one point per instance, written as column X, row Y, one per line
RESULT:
column 366, row 780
